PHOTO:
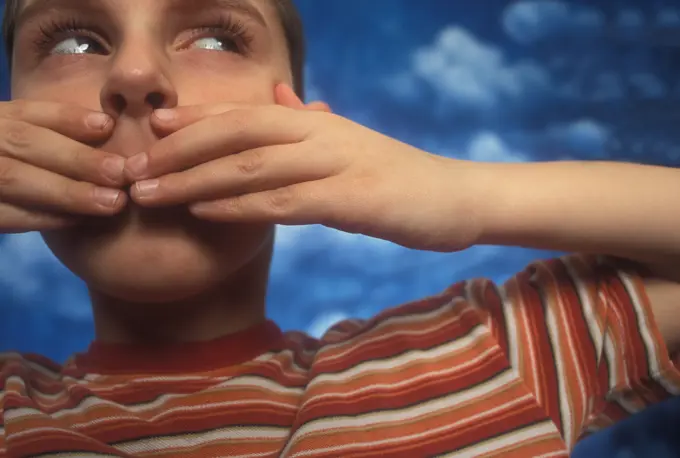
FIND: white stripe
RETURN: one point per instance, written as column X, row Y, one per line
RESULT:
column 552, row 454
column 14, row 356
column 166, row 443
column 516, row 438
column 604, row 344
column 645, row 326
column 269, row 358
column 565, row 411
column 45, row 429
column 26, row 412
column 615, row 391
column 511, row 324
column 583, row 393
column 588, row 312
column 84, row 405
column 393, row 364
column 511, row 312
column 421, row 377
column 402, row 324
column 410, row 414
column 75, row 454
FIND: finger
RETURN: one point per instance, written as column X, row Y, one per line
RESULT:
column 218, row 136
column 319, row 106
column 73, row 121
column 31, row 187
column 25, row 142
column 284, row 95
column 292, row 205
column 250, row 171
column 17, row 220
column 167, row 121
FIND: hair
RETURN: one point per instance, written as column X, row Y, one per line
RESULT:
column 287, row 12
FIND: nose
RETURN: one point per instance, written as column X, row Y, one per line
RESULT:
column 137, row 84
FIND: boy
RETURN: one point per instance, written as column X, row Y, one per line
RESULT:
column 155, row 143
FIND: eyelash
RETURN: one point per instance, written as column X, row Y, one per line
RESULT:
column 56, row 30
column 223, row 27
column 227, row 27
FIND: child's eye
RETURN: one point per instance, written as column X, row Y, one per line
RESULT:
column 78, row 45
column 215, row 44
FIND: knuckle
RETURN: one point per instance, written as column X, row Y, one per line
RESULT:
column 281, row 201
column 76, row 194
column 15, row 109
column 17, row 135
column 7, row 172
column 69, row 114
column 239, row 121
column 251, row 163
column 81, row 156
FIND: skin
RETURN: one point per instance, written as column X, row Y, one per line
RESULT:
column 196, row 279
column 228, row 152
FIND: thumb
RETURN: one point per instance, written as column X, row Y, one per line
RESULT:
column 166, row 121
column 284, row 95
column 319, row 106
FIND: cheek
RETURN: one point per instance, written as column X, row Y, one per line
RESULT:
column 83, row 90
column 206, row 81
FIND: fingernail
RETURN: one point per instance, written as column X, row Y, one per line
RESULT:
column 113, row 168
column 164, row 114
column 137, row 165
column 106, row 197
column 98, row 120
column 147, row 188
column 204, row 207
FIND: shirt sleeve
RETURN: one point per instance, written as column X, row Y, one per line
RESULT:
column 580, row 332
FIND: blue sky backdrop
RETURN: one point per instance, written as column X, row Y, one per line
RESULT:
column 490, row 81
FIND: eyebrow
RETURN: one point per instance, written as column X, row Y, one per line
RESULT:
column 245, row 7
column 37, row 7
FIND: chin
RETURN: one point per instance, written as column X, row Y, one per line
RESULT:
column 158, row 256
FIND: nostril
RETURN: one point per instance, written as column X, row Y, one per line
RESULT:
column 118, row 102
column 156, row 100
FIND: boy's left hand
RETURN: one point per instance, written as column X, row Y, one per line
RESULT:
column 298, row 164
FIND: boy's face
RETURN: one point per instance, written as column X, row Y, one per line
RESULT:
column 127, row 57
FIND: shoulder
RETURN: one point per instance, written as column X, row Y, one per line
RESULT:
column 427, row 329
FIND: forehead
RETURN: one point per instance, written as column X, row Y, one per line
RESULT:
column 263, row 11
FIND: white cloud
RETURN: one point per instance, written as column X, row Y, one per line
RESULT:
column 586, row 20
column 528, row 21
column 324, row 321
column 474, row 75
column 21, row 258
column 648, row 85
column 312, row 91
column 608, row 87
column 488, row 147
column 668, row 17
column 403, row 85
column 630, row 19
column 531, row 21
column 583, row 136
column 34, row 276
column 290, row 237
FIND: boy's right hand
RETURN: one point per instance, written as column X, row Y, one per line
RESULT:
column 48, row 174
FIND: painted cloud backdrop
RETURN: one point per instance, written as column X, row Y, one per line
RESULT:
column 489, row 81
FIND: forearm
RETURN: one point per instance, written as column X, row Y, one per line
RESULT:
column 619, row 209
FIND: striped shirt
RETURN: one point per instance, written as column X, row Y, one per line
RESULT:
column 565, row 347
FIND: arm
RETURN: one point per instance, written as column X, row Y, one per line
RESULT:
column 619, row 209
